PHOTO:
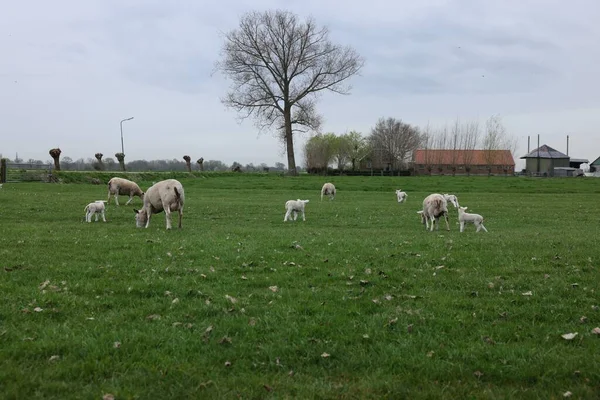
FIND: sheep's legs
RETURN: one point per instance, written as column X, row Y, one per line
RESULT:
column 462, row 226
column 88, row 217
column 180, row 216
column 303, row 217
column 480, row 226
column 116, row 197
column 168, row 216
column 287, row 215
column 103, row 217
column 447, row 224
column 130, row 200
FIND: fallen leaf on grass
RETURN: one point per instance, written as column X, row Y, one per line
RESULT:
column 440, row 267
column 368, row 271
column 392, row 321
column 430, row 354
column 108, row 396
column 225, row 340
column 363, row 282
column 233, row 300
column 44, row 284
column 153, row 317
column 227, row 363
column 38, row 309
column 325, row 355
column 583, row 319
column 167, row 293
column 409, row 328
column 252, row 322
column 546, row 276
column 478, row 374
column 268, row 388
column 244, row 277
column 569, row 336
column 376, row 301
column 116, row 345
column 273, row 289
column 54, row 358
column 567, row 394
column 175, row 301
column 488, row 340
column 291, row 373
column 365, row 336
column 596, row 331
column 388, row 297
column 529, row 293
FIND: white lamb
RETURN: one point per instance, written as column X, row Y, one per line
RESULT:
column 294, row 207
column 328, row 190
column 401, row 196
column 95, row 208
column 164, row 196
column 467, row 218
column 434, row 206
column 452, row 199
column 120, row 186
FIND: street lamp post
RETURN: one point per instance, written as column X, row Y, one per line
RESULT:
column 122, row 148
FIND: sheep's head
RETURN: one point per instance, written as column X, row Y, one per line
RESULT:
column 462, row 209
column 452, row 199
column 304, row 201
column 141, row 217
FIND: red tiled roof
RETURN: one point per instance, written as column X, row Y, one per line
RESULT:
column 477, row 157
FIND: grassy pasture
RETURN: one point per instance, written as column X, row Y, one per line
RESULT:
column 356, row 302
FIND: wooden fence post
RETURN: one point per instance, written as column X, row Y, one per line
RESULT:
column 3, row 167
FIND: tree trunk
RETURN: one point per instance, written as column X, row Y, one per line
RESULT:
column 289, row 141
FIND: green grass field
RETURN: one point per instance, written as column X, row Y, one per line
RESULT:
column 357, row 302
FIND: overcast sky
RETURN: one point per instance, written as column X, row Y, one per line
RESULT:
column 71, row 70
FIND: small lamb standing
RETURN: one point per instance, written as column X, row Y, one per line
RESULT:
column 467, row 218
column 328, row 190
column 120, row 186
column 95, row 208
column 294, row 207
column 401, row 196
column 164, row 196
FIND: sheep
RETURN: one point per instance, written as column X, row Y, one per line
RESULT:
column 452, row 199
column 328, row 189
column 401, row 196
column 434, row 206
column 95, row 208
column 167, row 196
column 467, row 218
column 120, row 186
column 294, row 207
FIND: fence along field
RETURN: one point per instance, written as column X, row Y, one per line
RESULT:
column 358, row 301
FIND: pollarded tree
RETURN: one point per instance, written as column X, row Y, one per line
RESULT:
column 55, row 154
column 188, row 161
column 278, row 64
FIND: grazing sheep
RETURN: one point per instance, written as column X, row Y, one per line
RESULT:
column 95, row 208
column 434, row 206
column 467, row 218
column 164, row 196
column 401, row 196
column 120, row 186
column 294, row 207
column 328, row 189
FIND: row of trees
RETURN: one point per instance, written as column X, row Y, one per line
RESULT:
column 110, row 164
column 391, row 143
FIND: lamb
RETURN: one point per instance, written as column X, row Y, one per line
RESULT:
column 467, row 218
column 434, row 206
column 167, row 196
column 95, row 208
column 120, row 186
column 401, row 196
column 294, row 207
column 328, row 189
column 452, row 199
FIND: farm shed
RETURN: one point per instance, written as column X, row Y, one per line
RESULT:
column 463, row 162
column 595, row 165
column 544, row 159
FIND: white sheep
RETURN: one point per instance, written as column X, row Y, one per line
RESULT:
column 95, row 208
column 467, row 218
column 120, row 186
column 401, row 196
column 294, row 207
column 164, row 196
column 452, row 199
column 434, row 206
column 328, row 189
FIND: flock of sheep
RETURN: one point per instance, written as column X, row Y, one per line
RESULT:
column 168, row 196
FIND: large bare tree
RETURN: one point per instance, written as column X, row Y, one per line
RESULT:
column 493, row 140
column 469, row 142
column 394, row 141
column 278, row 65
